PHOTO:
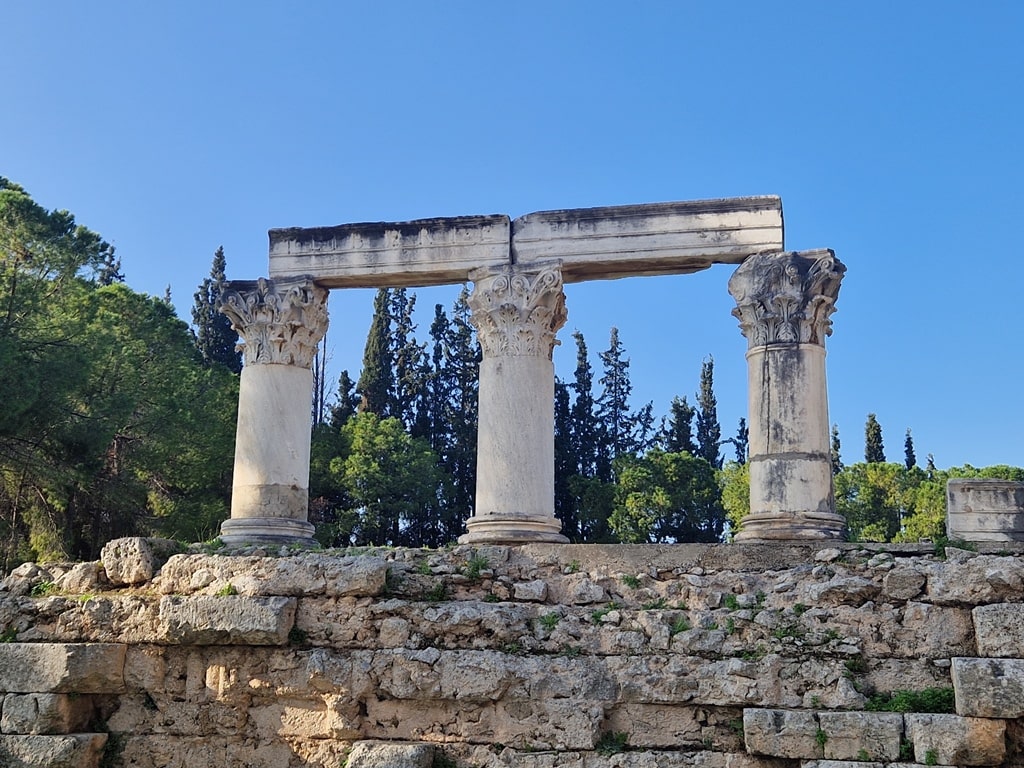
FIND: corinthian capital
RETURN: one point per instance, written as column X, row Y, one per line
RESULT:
column 280, row 321
column 517, row 312
column 786, row 297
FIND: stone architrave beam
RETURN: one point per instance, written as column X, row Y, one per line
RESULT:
column 391, row 254
column 653, row 239
column 591, row 243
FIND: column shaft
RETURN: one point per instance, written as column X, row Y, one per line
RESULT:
column 516, row 313
column 784, row 301
column 281, row 323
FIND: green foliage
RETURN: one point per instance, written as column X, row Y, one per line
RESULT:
column 906, row 752
column 874, row 451
column 933, row 700
column 630, row 581
column 9, row 635
column 862, row 754
column 43, row 589
column 709, row 431
column 228, row 590
column 734, row 484
column 549, row 621
column 820, row 738
column 731, row 602
column 681, row 624
column 655, row 605
column 931, row 757
column 666, row 497
column 438, row 593
column 612, row 743
column 678, row 437
column 215, row 339
column 476, row 564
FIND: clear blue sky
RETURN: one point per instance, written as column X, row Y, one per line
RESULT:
column 892, row 132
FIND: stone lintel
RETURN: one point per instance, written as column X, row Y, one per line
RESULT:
column 651, row 239
column 391, row 254
column 593, row 243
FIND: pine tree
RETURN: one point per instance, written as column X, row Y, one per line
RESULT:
column 407, row 400
column 908, row 451
column 837, row 462
column 678, row 436
column 709, row 432
column 110, row 271
column 214, row 335
column 874, row 451
column 377, row 380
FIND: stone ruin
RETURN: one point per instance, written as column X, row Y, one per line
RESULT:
column 514, row 649
column 783, row 301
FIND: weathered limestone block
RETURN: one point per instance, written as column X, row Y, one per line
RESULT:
column 135, row 560
column 985, row 509
column 989, row 687
column 850, row 764
column 383, row 754
column 676, row 727
column 229, row 620
column 330, row 717
column 977, row 580
column 129, row 619
column 159, row 713
column 22, row 579
column 313, row 574
column 171, row 751
column 999, row 629
column 549, row 724
column 80, row 750
column 651, row 239
column 62, row 668
column 531, row 591
column 576, row 589
column 903, row 583
column 81, row 579
column 398, row 253
column 45, row 713
column 953, row 740
column 843, row 590
column 848, row 735
column 781, row 733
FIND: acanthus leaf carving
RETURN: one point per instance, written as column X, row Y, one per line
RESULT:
column 518, row 312
column 786, row 297
column 280, row 321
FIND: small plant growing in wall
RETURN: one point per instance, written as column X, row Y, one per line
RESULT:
column 612, row 743
column 731, row 602
column 931, row 757
column 631, row 581
column 43, row 588
column 820, row 738
column 437, row 593
column 476, row 565
column 681, row 624
column 227, row 590
column 549, row 621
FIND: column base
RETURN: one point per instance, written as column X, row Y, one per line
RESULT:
column 512, row 529
column 791, row 526
column 266, row 530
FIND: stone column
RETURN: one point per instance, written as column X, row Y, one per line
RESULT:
column 783, row 302
column 280, row 322
column 516, row 312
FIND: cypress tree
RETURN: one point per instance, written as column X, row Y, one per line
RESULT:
column 409, row 361
column 874, row 451
column 110, row 271
column 908, row 451
column 678, row 436
column 377, row 380
column 584, row 432
column 612, row 411
column 565, row 462
column 345, row 406
column 837, row 462
column 709, row 431
column 215, row 339
column 742, row 441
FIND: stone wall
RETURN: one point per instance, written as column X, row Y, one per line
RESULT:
column 540, row 656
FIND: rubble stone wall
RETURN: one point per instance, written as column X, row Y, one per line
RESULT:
column 539, row 656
